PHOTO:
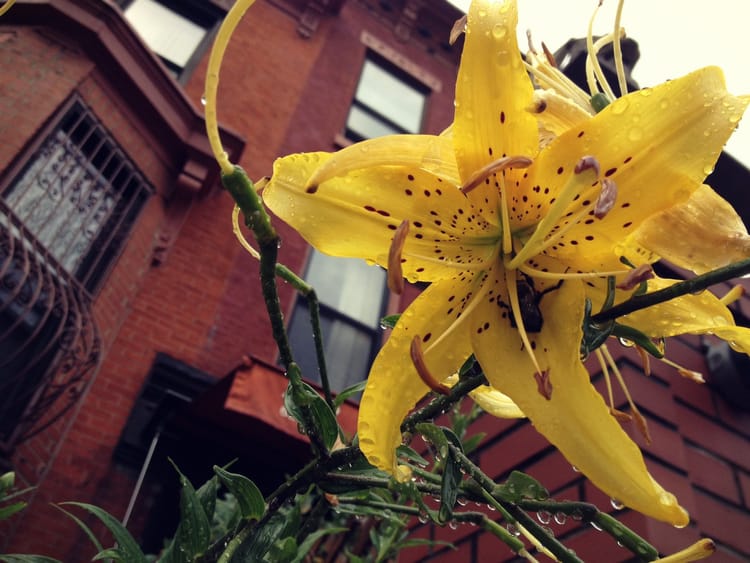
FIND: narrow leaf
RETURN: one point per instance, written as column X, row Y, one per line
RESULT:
column 127, row 547
column 193, row 533
column 19, row 558
column 349, row 392
column 11, row 509
column 301, row 396
column 250, row 499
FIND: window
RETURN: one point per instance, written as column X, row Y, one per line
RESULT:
column 387, row 101
column 63, row 221
column 79, row 195
column 352, row 299
column 177, row 30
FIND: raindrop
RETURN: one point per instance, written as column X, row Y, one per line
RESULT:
column 513, row 530
column 708, row 168
column 499, row 31
column 575, row 469
column 635, row 134
column 560, row 518
column 462, row 501
column 616, row 504
column 595, row 526
column 452, row 525
column 544, row 517
column 619, row 106
column 423, row 518
column 626, row 343
column 203, row 100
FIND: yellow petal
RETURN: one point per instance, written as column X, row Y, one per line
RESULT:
column 493, row 92
column 393, row 386
column 556, row 114
column 356, row 215
column 491, row 400
column 700, row 234
column 656, row 144
column 690, row 314
column 431, row 153
column 575, row 419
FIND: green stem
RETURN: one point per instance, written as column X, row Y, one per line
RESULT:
column 696, row 284
column 441, row 404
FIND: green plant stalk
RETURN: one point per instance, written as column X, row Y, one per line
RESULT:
column 441, row 404
column 512, row 512
column 693, row 285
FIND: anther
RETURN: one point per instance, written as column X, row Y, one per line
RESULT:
column 501, row 164
column 606, row 199
column 636, row 277
column 417, row 358
column 543, row 384
column 458, row 28
column 395, row 273
column 588, row 162
column 550, row 57
column 619, row 415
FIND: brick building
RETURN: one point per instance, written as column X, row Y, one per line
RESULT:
column 124, row 342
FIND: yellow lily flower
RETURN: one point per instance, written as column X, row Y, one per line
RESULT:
column 513, row 230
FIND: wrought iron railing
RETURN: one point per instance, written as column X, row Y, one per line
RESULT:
column 49, row 343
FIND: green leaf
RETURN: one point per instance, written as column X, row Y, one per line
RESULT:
column 207, row 494
column 250, row 499
column 18, row 558
column 299, row 397
column 348, row 392
column 520, row 486
column 636, row 336
column 409, row 453
column 127, row 548
column 311, row 539
column 471, row 444
column 282, row 551
column 81, row 524
column 11, row 509
column 7, row 480
column 435, row 436
column 389, row 321
column 261, row 539
column 193, row 533
column 451, row 480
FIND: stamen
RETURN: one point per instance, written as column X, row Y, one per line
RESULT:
column 618, row 34
column 459, row 27
column 540, row 274
column 606, row 200
column 582, row 179
column 515, row 307
column 593, row 68
column 690, row 374
column 733, row 295
column 543, row 384
column 645, row 360
column 636, row 277
column 607, row 381
column 395, row 273
column 550, row 57
column 417, row 358
column 640, row 420
column 501, row 164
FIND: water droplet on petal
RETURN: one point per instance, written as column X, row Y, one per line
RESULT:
column 616, row 504
column 499, row 31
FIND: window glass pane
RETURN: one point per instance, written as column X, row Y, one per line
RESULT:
column 363, row 125
column 169, row 34
column 348, row 349
column 391, row 97
column 348, row 285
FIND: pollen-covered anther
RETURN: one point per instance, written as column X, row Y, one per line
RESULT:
column 459, row 27
column 642, row 425
column 417, row 358
column 538, row 104
column 619, row 415
column 636, row 276
column 395, row 273
column 543, row 384
column 588, row 162
column 550, row 57
column 495, row 166
column 606, row 200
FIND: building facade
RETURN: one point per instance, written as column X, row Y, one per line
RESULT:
column 132, row 326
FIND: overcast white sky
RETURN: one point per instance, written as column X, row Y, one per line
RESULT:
column 674, row 36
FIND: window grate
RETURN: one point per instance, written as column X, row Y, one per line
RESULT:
column 79, row 195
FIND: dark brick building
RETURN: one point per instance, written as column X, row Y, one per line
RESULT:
column 120, row 343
